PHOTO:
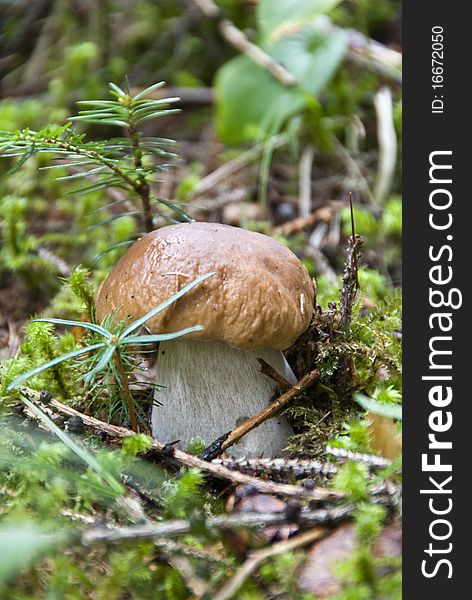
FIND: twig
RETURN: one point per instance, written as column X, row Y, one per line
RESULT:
column 178, row 527
column 178, row 457
column 255, row 559
column 194, row 583
column 271, row 410
column 322, row 214
column 387, row 140
column 269, row 371
column 241, row 42
column 369, row 459
column 361, row 50
column 353, row 223
column 280, row 466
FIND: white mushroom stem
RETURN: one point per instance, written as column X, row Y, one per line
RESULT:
column 211, row 388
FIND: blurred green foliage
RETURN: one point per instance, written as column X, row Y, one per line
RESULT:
column 55, row 53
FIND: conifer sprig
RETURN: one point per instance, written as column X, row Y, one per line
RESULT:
column 132, row 162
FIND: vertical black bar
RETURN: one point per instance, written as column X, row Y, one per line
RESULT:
column 437, row 131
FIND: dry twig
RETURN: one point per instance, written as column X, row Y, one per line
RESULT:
column 269, row 411
column 281, row 466
column 269, row 371
column 371, row 460
column 178, row 457
column 178, row 527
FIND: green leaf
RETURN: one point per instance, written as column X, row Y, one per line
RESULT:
column 176, row 209
column 277, row 16
column 104, row 103
column 393, row 411
column 131, row 213
column 140, row 322
column 311, row 54
column 26, row 156
column 147, row 105
column 105, row 121
column 82, row 174
column 250, row 102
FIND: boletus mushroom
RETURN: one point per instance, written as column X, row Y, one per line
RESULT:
column 259, row 300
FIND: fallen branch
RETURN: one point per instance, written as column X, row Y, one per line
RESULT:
column 271, row 410
column 178, row 457
column 323, row 214
column 178, row 527
column 280, row 466
column 283, row 384
column 378, row 462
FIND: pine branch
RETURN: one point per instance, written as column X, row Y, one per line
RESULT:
column 128, row 162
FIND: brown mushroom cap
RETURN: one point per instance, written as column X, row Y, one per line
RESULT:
column 260, row 296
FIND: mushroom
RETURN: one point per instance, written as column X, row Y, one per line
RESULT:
column 259, row 300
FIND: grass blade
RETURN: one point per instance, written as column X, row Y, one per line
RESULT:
column 81, row 452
